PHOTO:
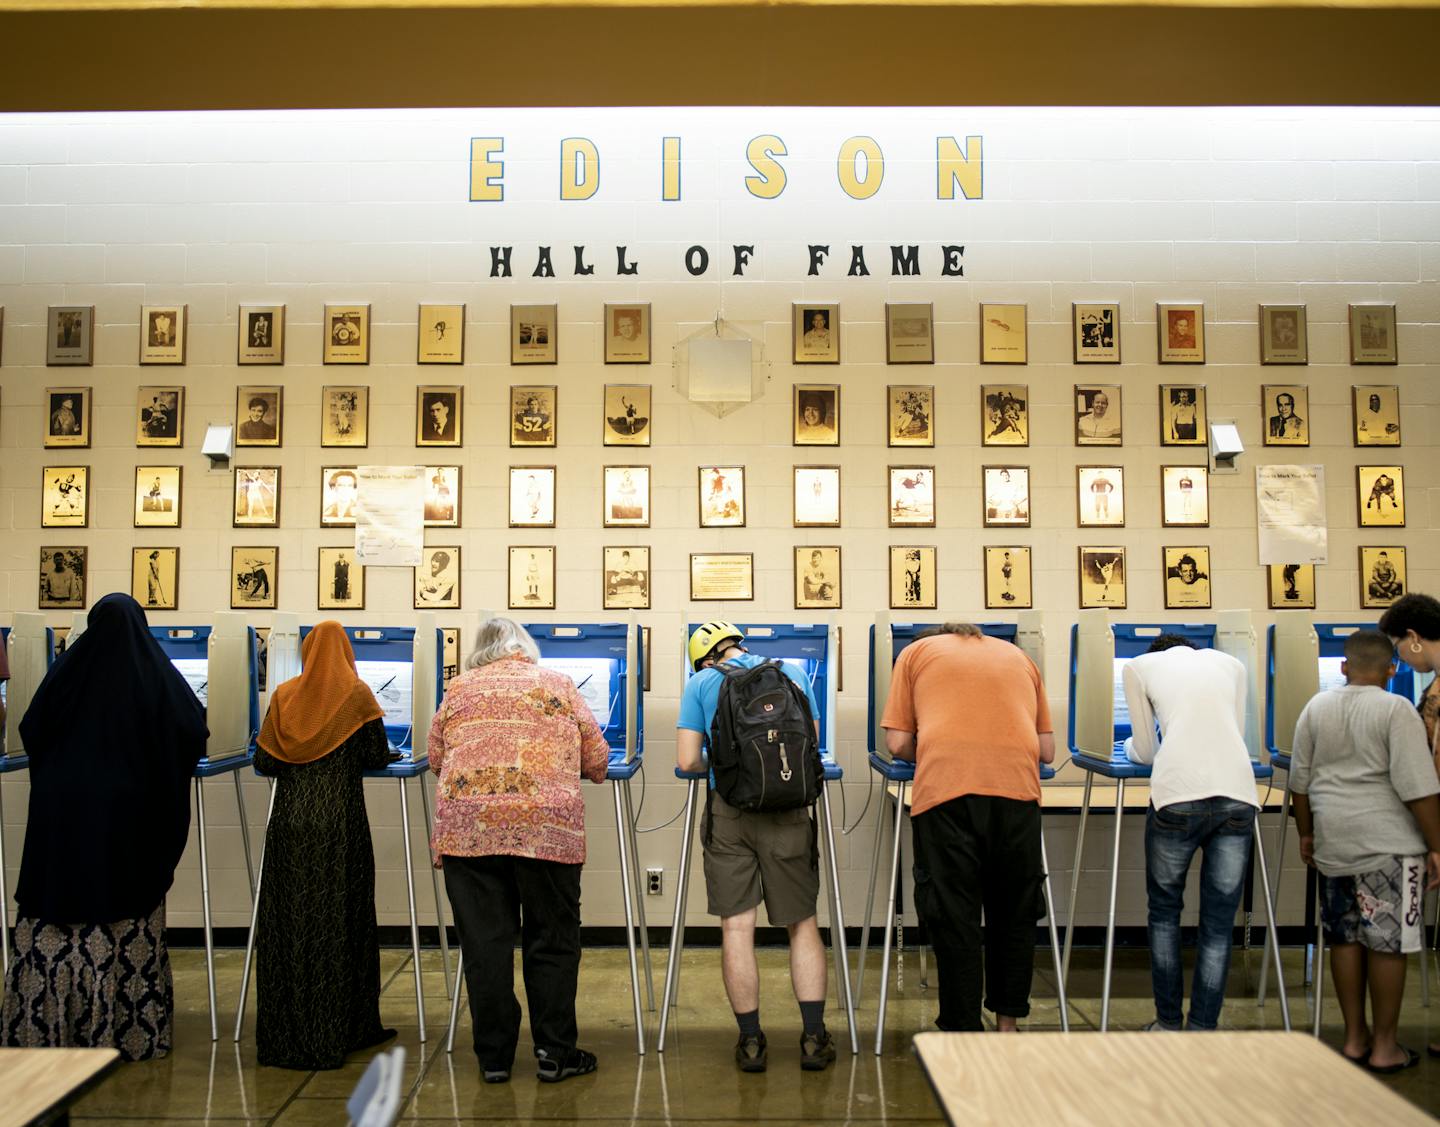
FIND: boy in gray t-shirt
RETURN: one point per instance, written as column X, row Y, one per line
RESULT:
column 1365, row 805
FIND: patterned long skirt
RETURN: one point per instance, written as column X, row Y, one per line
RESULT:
column 90, row 986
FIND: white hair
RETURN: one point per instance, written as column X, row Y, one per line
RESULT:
column 500, row 638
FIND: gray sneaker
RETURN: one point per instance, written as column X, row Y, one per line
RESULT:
column 1157, row 1026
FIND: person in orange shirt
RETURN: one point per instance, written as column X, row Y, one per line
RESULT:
column 975, row 812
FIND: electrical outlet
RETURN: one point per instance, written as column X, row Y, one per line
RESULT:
column 654, row 882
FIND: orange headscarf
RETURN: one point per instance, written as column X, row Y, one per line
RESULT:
column 318, row 711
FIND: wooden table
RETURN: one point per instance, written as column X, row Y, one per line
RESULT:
column 1149, row 1078
column 39, row 1085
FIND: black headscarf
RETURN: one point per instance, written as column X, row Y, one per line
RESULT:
column 113, row 734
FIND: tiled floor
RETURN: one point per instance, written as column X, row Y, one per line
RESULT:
column 694, row 1082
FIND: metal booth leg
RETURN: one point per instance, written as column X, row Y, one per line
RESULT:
column 889, row 921
column 410, row 895
column 1110, row 919
column 837, row 923
column 455, row 1000
column 677, row 927
column 435, row 887
column 244, row 830
column 254, row 922
column 1271, row 936
column 640, row 920
column 870, row 895
column 1075, row 874
column 205, row 904
column 1319, row 1003
column 1270, row 924
column 1054, row 936
column 627, row 889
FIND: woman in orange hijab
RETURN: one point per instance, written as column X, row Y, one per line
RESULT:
column 317, row 958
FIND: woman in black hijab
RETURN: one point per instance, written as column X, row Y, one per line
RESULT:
column 113, row 734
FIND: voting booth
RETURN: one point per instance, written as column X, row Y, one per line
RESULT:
column 887, row 641
column 1302, row 658
column 1098, row 725
column 218, row 662
column 808, row 648
column 404, row 666
column 606, row 662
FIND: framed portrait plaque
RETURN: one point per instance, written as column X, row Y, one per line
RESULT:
column 1284, row 337
column 1102, row 577
column 1003, row 334
column 532, row 496
column 627, row 333
column 1375, row 409
column 1006, row 500
column 1098, row 420
column 1185, row 496
column 437, row 579
column 816, row 414
column 1182, row 332
column 627, row 414
column 1096, row 330
column 442, row 496
column 722, row 576
column 262, row 335
column 160, row 416
column 65, row 497
column 532, row 415
column 626, row 578
column 1286, row 411
column 254, row 577
column 162, row 334
column 70, row 336
column 722, row 496
column 909, row 333
column 627, row 497
column 259, row 415
column 1100, row 496
column 817, row 577
column 157, row 496
column 817, row 496
column 439, row 415
column 1372, row 334
column 1291, row 586
column 912, row 496
column 910, row 414
column 63, row 574
column 1182, row 415
column 345, row 415
column 346, row 331
column 441, row 337
column 67, row 416
column 913, row 577
column 533, row 333
column 1380, row 493
column 1007, row 578
column 257, row 497
column 531, row 581
column 341, row 580
column 155, row 577
column 816, row 331
column 1004, row 415
column 1382, row 576
column 1187, row 577
column 339, row 491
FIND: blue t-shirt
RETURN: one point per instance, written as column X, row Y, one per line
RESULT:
column 702, row 693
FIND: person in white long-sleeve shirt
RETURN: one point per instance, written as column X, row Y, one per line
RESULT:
column 1202, row 797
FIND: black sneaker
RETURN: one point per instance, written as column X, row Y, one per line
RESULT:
column 552, row 1070
column 817, row 1051
column 750, row 1052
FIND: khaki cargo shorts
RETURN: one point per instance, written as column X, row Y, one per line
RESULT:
column 755, row 857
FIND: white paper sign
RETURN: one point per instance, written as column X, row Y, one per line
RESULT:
column 390, row 515
column 1290, row 505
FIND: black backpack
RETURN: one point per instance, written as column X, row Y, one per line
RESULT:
column 763, row 748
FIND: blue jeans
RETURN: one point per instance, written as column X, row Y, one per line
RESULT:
column 1223, row 829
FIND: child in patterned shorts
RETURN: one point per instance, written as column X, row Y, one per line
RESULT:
column 1366, row 808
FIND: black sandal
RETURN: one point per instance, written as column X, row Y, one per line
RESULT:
column 1412, row 1058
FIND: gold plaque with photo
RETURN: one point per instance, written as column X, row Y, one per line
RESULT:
column 532, row 415
column 1372, row 334
column 262, row 335
column 437, row 578
column 67, row 416
column 817, row 577
column 816, row 496
column 1286, row 411
column 1003, row 334
column 1290, row 586
column 1185, row 496
column 439, row 415
column 627, row 333
column 1182, row 415
column 1182, row 332
column 441, row 337
column 816, row 331
column 1376, row 412
column 1096, row 330
column 722, row 496
column 912, row 496
column 65, row 497
column 160, row 416
column 627, row 497
column 532, row 577
column 532, row 496
column 913, row 577
column 345, row 415
column 1007, row 578
column 1098, row 421
column 341, row 580
column 63, row 574
column 157, row 496
column 155, row 577
column 627, row 414
column 1381, row 495
column 533, row 332
column 258, row 415
column 1100, row 496
column 1004, row 415
column 442, row 496
column 1382, row 576
column 339, row 492
column 254, row 577
column 816, row 414
column 163, row 333
column 909, row 333
column 1187, row 577
column 257, row 497
column 910, row 414
column 721, row 576
column 1283, row 335
column 70, row 336
column 1005, row 500
column 1102, row 577
column 346, row 330
column 625, row 578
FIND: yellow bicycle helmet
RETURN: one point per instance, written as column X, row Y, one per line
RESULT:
column 707, row 637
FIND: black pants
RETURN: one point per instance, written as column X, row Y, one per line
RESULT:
column 973, row 852
column 497, row 900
